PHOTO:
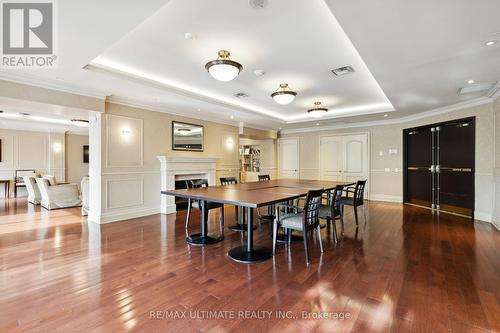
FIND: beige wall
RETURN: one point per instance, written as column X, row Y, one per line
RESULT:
column 75, row 168
column 41, row 151
column 130, row 170
column 389, row 185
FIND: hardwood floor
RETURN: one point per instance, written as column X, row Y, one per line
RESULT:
column 406, row 270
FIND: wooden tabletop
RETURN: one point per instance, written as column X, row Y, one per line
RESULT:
column 255, row 194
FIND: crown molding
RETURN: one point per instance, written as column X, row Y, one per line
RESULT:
column 494, row 92
column 186, row 114
column 418, row 116
column 51, row 84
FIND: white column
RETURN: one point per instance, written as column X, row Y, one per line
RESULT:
column 96, row 138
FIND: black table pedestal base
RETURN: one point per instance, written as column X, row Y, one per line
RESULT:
column 198, row 239
column 240, row 227
column 259, row 254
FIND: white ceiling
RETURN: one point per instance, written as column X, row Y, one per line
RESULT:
column 420, row 53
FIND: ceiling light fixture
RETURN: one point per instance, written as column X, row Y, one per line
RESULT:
column 491, row 42
column 471, row 81
column 223, row 69
column 386, row 115
column 80, row 122
column 284, row 95
column 318, row 111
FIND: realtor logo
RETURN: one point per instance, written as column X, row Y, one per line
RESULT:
column 28, row 32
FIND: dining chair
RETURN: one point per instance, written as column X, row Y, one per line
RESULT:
column 357, row 199
column 305, row 219
column 332, row 210
column 197, row 183
column 224, row 181
column 269, row 217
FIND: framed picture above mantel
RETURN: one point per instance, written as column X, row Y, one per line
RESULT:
column 186, row 136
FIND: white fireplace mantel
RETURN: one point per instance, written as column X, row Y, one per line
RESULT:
column 183, row 167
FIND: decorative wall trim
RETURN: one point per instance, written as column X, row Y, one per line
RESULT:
column 402, row 120
column 108, row 183
column 141, row 164
column 386, row 198
column 145, row 172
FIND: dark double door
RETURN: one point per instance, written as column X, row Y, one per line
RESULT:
column 439, row 166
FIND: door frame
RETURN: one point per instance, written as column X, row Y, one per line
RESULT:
column 296, row 138
column 405, row 162
column 368, row 157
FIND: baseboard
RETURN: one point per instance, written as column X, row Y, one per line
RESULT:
column 385, row 197
column 482, row 216
column 126, row 214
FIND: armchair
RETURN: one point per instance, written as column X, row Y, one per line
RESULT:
column 34, row 196
column 60, row 196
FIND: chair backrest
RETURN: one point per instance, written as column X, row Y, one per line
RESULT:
column 359, row 191
column 196, row 183
column 22, row 173
column 264, row 178
column 228, row 181
column 336, row 196
column 311, row 209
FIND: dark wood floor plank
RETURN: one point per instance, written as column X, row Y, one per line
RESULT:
column 405, row 270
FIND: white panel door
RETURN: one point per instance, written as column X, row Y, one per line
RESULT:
column 355, row 157
column 289, row 158
column 344, row 158
column 331, row 158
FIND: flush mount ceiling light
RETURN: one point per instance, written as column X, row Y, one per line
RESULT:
column 491, row 42
column 80, row 122
column 318, row 111
column 283, row 95
column 223, row 69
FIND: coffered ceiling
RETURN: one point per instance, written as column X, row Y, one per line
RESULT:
column 409, row 57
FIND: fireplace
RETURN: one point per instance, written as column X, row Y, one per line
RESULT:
column 175, row 170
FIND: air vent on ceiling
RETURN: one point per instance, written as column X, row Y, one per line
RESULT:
column 343, row 70
column 240, row 95
column 473, row 88
column 257, row 4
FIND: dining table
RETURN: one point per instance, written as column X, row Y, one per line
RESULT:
column 249, row 196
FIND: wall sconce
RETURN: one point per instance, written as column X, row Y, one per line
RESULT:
column 229, row 143
column 126, row 133
column 57, row 147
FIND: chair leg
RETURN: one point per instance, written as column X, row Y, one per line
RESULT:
column 221, row 221
column 275, row 236
column 356, row 214
column 289, row 236
column 318, row 229
column 236, row 213
column 334, row 224
column 188, row 217
column 364, row 214
column 306, row 247
column 342, row 224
